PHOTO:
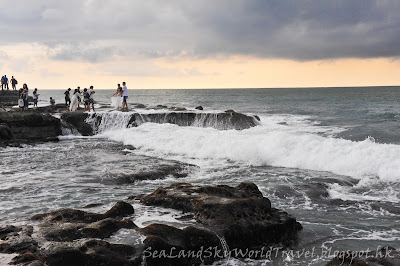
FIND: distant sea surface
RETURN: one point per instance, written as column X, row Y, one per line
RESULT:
column 328, row 156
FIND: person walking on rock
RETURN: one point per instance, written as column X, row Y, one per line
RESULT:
column 14, row 83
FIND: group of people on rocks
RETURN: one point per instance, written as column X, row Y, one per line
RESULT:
column 4, row 83
column 74, row 101
column 23, row 95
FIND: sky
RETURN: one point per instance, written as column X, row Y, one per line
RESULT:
column 162, row 44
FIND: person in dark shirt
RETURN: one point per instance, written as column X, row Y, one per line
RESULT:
column 86, row 97
column 35, row 97
column 14, row 83
column 67, row 97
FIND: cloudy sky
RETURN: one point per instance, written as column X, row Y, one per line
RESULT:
column 53, row 44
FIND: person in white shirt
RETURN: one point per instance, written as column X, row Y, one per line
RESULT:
column 124, row 96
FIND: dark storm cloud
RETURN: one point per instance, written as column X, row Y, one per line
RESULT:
column 293, row 29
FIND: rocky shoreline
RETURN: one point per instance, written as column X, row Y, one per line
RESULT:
column 47, row 123
column 227, row 220
column 227, row 217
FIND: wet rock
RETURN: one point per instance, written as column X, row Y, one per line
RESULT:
column 387, row 256
column 199, row 108
column 92, row 205
column 222, row 121
column 57, row 108
column 72, row 231
column 160, row 106
column 230, row 111
column 92, row 252
column 146, row 168
column 177, row 109
column 71, row 224
column 27, row 257
column 9, row 230
column 172, row 241
column 120, row 209
column 5, row 133
column 77, row 120
column 28, row 127
column 139, row 105
column 241, row 214
column 19, row 241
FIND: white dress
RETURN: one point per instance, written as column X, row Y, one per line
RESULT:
column 74, row 102
column 116, row 102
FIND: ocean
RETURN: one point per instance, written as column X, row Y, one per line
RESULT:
column 328, row 156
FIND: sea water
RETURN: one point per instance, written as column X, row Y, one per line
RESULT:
column 328, row 156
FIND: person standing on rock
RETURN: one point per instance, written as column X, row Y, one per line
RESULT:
column 25, row 93
column 91, row 99
column 14, row 83
column 79, row 94
column 67, row 97
column 35, row 97
column 86, row 97
column 6, row 82
column 2, row 83
column 117, row 101
column 124, row 96
column 74, row 101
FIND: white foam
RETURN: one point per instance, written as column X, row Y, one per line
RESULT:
column 372, row 193
column 281, row 146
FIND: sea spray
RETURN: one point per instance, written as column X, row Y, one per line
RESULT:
column 114, row 120
column 261, row 146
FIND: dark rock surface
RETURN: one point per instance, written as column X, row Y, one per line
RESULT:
column 241, row 214
column 10, row 97
column 64, row 237
column 77, row 121
column 221, row 121
column 387, row 256
column 57, row 108
column 120, row 209
column 28, row 127
column 163, row 237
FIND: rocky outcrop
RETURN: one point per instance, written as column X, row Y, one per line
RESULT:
column 56, row 108
column 28, row 127
column 11, row 97
column 90, row 124
column 120, row 209
column 241, row 214
column 77, row 120
column 71, row 237
column 161, row 237
column 229, row 217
